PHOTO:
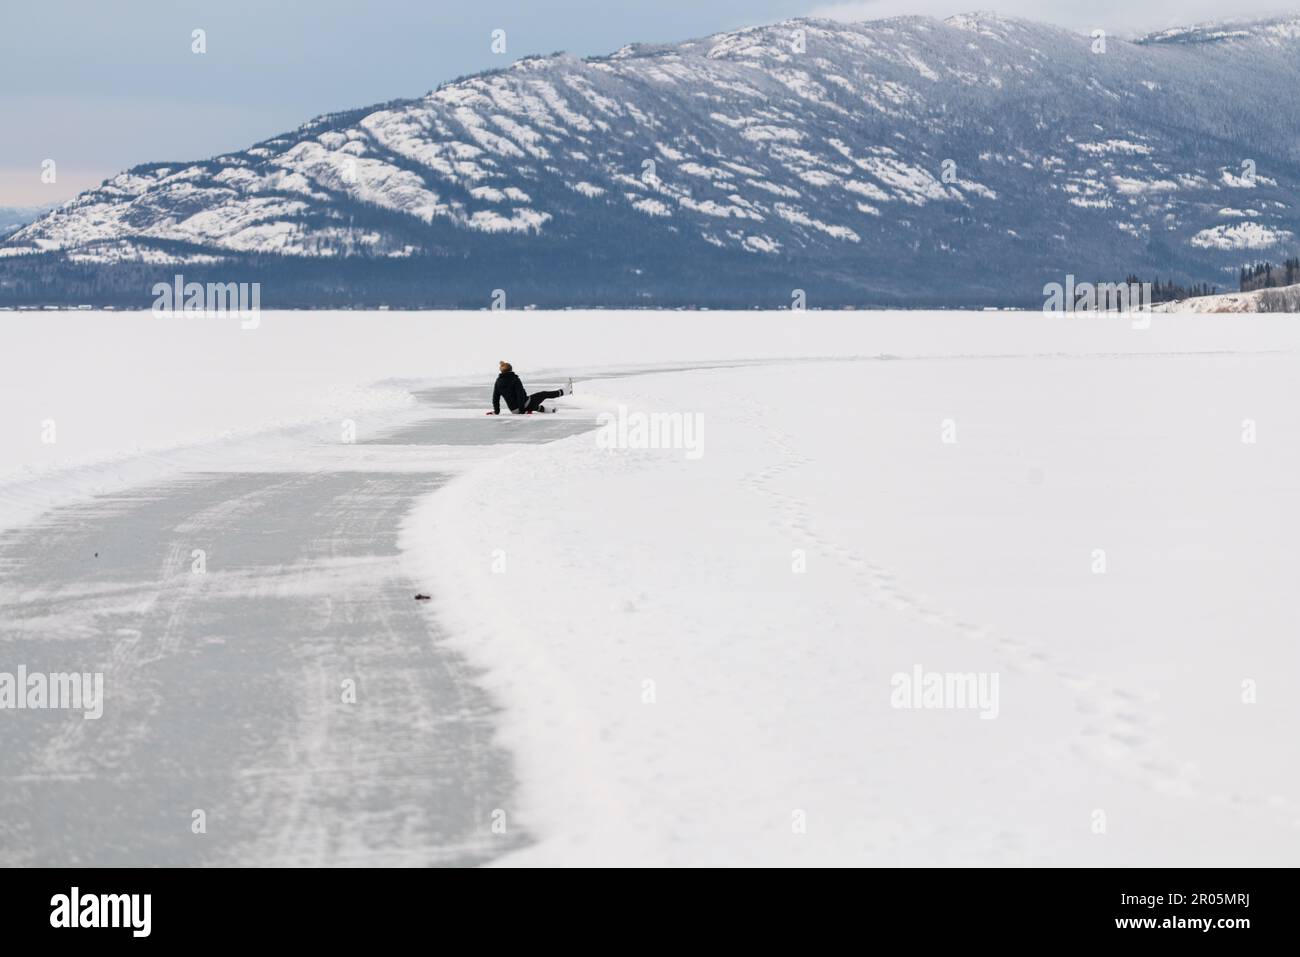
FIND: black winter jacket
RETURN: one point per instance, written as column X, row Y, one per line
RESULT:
column 509, row 387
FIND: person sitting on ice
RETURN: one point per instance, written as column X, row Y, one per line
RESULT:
column 518, row 400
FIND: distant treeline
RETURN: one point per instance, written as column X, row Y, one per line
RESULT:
column 1171, row 291
column 1267, row 276
column 515, row 272
column 1263, row 275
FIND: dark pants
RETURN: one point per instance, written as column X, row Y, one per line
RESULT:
column 537, row 398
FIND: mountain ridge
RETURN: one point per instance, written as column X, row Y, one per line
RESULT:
column 902, row 161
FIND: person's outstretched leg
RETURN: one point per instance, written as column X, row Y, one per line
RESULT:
column 537, row 398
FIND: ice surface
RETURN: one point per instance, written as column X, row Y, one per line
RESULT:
column 827, row 538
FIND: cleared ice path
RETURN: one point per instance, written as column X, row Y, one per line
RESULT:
column 274, row 695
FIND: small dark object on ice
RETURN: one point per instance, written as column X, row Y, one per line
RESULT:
column 421, row 597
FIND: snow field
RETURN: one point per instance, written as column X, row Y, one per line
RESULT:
column 675, row 692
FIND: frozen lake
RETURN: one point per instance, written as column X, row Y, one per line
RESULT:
column 746, row 639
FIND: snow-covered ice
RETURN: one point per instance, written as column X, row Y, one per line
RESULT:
column 697, row 653
column 696, row 650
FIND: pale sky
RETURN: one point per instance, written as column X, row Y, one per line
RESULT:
column 101, row 85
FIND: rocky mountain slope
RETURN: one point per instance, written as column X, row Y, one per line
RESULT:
column 906, row 161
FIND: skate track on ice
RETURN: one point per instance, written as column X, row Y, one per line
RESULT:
column 224, row 688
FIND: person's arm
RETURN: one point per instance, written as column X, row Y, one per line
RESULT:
column 496, row 398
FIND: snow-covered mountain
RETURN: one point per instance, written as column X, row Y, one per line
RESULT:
column 910, row 160
column 14, row 217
